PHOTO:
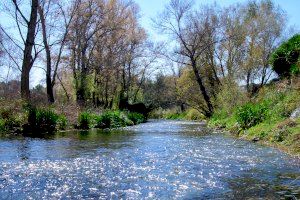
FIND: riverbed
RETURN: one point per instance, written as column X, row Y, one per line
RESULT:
column 157, row 160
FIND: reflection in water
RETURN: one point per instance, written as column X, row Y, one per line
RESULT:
column 156, row 160
column 23, row 151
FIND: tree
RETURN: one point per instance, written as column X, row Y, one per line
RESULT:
column 194, row 32
column 286, row 59
column 53, row 8
column 230, row 53
column 28, row 43
column 1, row 43
column 88, row 23
column 265, row 23
column 21, row 45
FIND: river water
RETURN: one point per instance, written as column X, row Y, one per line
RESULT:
column 156, row 160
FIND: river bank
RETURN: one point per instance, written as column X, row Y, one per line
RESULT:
column 19, row 118
column 269, row 118
column 291, row 150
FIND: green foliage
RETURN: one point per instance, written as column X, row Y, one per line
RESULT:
column 175, row 116
column 40, row 120
column 109, row 119
column 193, row 114
column 230, row 97
column 267, row 118
column 9, row 120
column 285, row 60
column 222, row 119
column 2, row 125
column 62, row 122
column 46, row 120
column 85, row 120
column 136, row 118
column 251, row 114
column 280, row 104
column 112, row 119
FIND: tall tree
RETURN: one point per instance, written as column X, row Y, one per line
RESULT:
column 193, row 32
column 29, row 43
column 55, row 11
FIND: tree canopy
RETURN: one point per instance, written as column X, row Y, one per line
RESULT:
column 286, row 59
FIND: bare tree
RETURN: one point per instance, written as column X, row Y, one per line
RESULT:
column 50, row 45
column 25, row 41
column 29, row 44
column 193, row 32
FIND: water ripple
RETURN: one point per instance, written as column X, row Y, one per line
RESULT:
column 156, row 160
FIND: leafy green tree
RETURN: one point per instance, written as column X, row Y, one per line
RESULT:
column 286, row 59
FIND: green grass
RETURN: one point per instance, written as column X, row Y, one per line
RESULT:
column 109, row 119
column 265, row 118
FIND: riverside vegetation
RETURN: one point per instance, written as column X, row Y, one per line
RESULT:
column 236, row 67
column 31, row 121
column 264, row 114
column 265, row 118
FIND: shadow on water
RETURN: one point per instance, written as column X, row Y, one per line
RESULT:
column 249, row 186
column 64, row 145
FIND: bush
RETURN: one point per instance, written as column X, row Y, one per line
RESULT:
column 46, row 120
column 112, row 119
column 62, row 122
column 229, row 97
column 2, row 126
column 85, row 120
column 250, row 115
column 286, row 59
column 9, row 120
column 136, row 118
column 193, row 114
column 174, row 116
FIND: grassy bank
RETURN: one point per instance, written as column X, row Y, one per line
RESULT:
column 16, row 117
column 265, row 118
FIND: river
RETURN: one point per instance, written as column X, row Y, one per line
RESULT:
column 156, row 160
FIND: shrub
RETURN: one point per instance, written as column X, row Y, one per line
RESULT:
column 280, row 135
column 136, row 118
column 2, row 126
column 229, row 97
column 112, row 119
column 9, row 120
column 85, row 120
column 6, row 113
column 285, row 60
column 125, row 121
column 175, row 116
column 62, row 122
column 251, row 114
column 46, row 120
column 193, row 114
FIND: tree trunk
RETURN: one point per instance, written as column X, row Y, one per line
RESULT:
column 248, row 82
column 206, row 97
column 27, row 59
column 81, row 92
column 48, row 57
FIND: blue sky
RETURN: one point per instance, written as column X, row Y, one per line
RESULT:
column 150, row 8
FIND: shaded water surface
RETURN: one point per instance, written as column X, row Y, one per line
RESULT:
column 156, row 160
